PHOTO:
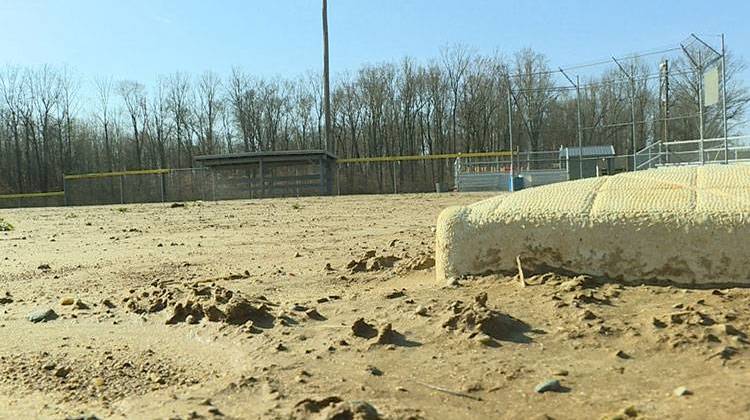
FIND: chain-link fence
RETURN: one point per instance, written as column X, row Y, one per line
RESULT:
column 149, row 186
column 49, row 199
column 389, row 177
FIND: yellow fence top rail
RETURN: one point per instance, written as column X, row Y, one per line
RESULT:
column 423, row 157
column 32, row 195
column 114, row 174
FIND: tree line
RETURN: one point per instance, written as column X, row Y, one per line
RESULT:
column 457, row 102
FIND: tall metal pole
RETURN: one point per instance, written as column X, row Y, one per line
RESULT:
column 724, row 99
column 665, row 102
column 329, row 144
column 700, row 103
column 632, row 108
column 510, row 134
column 577, row 85
column 580, row 133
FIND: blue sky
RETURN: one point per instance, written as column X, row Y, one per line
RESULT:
column 142, row 39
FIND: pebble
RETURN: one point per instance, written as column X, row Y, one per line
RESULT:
column 681, row 391
column 622, row 355
column 453, row 282
column 62, row 372
column 67, row 301
column 42, row 315
column 630, row 411
column 486, row 340
column 421, row 311
column 98, row 381
column 588, row 315
column 551, row 385
column 560, row 372
column 372, row 370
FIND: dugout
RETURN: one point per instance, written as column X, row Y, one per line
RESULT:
column 588, row 161
column 289, row 173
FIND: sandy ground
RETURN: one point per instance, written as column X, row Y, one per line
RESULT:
column 328, row 308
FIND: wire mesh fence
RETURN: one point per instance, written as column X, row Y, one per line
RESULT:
column 391, row 177
column 148, row 186
column 50, row 199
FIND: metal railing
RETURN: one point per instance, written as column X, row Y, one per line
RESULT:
column 694, row 152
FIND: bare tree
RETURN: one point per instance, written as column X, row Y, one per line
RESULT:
column 133, row 96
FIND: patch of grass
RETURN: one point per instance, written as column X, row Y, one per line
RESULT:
column 71, row 216
column 122, row 209
column 296, row 206
column 5, row 226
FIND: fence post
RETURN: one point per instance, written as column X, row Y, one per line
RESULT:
column 122, row 189
column 393, row 171
column 161, row 178
column 213, row 184
column 65, row 189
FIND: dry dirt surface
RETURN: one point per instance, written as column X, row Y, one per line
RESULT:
column 327, row 308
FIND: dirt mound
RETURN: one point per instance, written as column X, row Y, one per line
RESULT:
column 370, row 261
column 423, row 261
column 385, row 335
column 198, row 302
column 334, row 408
column 477, row 320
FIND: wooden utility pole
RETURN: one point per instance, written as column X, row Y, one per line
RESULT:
column 329, row 143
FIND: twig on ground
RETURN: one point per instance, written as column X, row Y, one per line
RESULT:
column 520, row 271
column 448, row 391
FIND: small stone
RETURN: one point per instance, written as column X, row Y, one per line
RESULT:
column 190, row 319
column 486, row 340
column 621, row 355
column 67, row 301
column 452, row 282
column 630, row 411
column 560, row 372
column 62, row 372
column 158, row 379
column 588, row 315
column 395, row 294
column 551, row 385
column 361, row 328
column 314, row 314
column 42, row 315
column 421, row 311
column 681, row 391
column 108, row 303
column 657, row 323
column 44, row 267
column 98, row 381
column 81, row 304
column 372, row 370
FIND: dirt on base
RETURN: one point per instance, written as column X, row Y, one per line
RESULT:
column 327, row 308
